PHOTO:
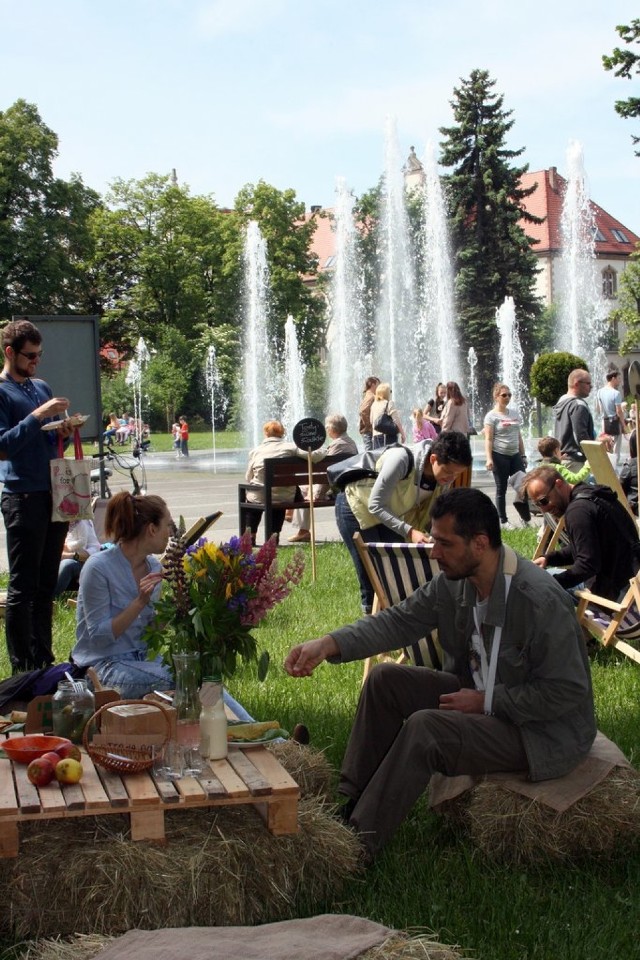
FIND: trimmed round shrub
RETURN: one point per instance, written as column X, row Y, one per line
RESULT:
column 548, row 377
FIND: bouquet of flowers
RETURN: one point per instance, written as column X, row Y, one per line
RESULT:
column 213, row 595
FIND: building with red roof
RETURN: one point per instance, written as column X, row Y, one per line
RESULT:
column 614, row 244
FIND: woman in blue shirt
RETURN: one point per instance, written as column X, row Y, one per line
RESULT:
column 115, row 601
column 118, row 588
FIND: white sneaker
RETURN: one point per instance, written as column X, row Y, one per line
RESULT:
column 507, row 526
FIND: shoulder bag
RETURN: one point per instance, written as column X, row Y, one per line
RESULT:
column 386, row 424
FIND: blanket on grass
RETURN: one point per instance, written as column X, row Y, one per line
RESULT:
column 326, row 937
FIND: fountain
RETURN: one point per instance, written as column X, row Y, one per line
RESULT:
column 472, row 361
column 134, row 379
column 511, row 356
column 214, row 389
column 348, row 361
column 293, row 408
column 399, row 347
column 582, row 313
column 438, row 310
column 259, row 400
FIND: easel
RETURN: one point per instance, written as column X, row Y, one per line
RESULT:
column 309, row 434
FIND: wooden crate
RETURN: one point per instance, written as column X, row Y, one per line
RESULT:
column 252, row 776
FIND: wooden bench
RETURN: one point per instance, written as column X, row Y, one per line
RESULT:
column 252, row 776
column 283, row 472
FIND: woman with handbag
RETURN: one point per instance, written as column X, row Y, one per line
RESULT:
column 385, row 418
column 394, row 506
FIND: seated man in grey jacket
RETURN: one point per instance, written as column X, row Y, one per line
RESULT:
column 515, row 692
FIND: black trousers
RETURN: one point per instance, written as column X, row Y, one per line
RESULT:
column 34, row 548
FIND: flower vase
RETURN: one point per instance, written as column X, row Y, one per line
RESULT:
column 186, row 702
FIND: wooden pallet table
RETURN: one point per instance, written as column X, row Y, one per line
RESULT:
column 252, row 776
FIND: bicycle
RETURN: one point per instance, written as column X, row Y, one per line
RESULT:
column 131, row 466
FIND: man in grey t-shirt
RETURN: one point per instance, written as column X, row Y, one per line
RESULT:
column 610, row 406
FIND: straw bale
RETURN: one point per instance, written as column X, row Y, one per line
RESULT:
column 220, row 866
column 399, row 946
column 511, row 828
column 308, row 766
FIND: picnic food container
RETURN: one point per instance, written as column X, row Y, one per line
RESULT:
column 26, row 749
column 72, row 706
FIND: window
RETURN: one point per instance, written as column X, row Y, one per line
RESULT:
column 329, row 262
column 599, row 236
column 609, row 283
column 619, row 235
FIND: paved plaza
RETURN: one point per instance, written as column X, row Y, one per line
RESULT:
column 192, row 489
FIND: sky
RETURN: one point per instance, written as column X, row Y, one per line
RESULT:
column 229, row 92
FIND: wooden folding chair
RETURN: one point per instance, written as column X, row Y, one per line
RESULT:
column 395, row 571
column 613, row 624
column 603, row 472
column 551, row 534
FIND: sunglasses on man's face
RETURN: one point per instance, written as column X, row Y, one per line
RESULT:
column 544, row 501
column 31, row 354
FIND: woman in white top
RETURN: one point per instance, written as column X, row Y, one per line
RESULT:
column 504, row 445
column 455, row 415
column 384, row 404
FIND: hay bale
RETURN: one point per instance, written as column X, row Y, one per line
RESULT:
column 399, row 946
column 511, row 828
column 308, row 766
column 220, row 866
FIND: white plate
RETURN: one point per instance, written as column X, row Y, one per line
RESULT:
column 252, row 743
column 74, row 422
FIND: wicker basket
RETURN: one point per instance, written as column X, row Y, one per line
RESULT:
column 121, row 757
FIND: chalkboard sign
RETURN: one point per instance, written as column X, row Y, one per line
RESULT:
column 309, row 434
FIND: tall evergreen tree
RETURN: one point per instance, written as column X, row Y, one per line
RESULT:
column 494, row 256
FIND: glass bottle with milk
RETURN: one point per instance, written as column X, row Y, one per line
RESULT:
column 213, row 720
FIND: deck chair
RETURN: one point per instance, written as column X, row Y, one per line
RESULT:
column 395, row 571
column 603, row 472
column 552, row 536
column 613, row 624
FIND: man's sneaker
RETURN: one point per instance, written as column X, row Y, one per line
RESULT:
column 507, row 526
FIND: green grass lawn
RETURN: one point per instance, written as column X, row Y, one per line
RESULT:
column 203, row 440
column 429, row 877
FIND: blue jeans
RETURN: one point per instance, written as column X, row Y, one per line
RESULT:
column 68, row 575
column 348, row 525
column 34, row 548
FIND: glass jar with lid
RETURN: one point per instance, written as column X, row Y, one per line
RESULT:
column 72, row 707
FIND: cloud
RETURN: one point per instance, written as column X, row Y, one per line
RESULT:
column 219, row 18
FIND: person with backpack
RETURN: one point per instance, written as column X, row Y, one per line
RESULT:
column 394, row 505
column 603, row 552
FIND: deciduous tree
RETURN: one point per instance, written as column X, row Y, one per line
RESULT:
column 624, row 62
column 281, row 218
column 44, row 235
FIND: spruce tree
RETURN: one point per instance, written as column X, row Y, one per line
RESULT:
column 493, row 255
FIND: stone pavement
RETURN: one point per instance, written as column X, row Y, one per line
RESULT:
column 192, row 489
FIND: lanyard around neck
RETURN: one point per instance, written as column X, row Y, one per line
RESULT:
column 489, row 668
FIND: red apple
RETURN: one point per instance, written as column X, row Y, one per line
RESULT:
column 53, row 758
column 68, row 749
column 40, row 772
